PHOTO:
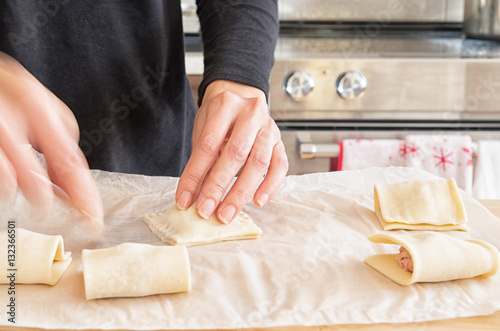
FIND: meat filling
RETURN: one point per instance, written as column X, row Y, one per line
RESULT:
column 404, row 259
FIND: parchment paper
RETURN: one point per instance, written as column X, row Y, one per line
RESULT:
column 306, row 269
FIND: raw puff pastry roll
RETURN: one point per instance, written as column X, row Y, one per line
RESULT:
column 436, row 257
column 185, row 227
column 420, row 205
column 39, row 258
column 135, row 270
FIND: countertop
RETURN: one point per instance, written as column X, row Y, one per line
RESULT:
column 489, row 322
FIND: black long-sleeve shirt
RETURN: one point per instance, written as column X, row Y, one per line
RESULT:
column 119, row 66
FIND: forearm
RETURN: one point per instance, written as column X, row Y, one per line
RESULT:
column 239, row 38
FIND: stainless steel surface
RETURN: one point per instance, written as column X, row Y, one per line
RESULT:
column 188, row 7
column 474, row 126
column 351, row 85
column 372, row 10
column 190, row 21
column 455, row 10
column 397, row 43
column 298, row 84
column 308, row 149
column 420, row 82
column 311, row 151
column 400, row 88
column 383, row 69
column 413, row 74
column 482, row 19
column 437, row 84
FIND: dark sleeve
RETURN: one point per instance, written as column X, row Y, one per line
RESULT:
column 239, row 37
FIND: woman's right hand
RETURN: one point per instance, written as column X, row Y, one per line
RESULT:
column 32, row 116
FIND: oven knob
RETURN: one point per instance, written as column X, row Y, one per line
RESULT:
column 298, row 84
column 351, row 85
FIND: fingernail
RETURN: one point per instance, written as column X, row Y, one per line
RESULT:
column 90, row 216
column 262, row 200
column 57, row 190
column 207, row 208
column 43, row 179
column 42, row 195
column 95, row 226
column 227, row 214
column 184, row 200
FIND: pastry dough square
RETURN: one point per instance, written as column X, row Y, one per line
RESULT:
column 185, row 227
column 420, row 205
column 436, row 257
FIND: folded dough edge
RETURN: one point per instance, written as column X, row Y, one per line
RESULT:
column 394, row 225
column 494, row 251
column 62, row 260
column 40, row 258
column 436, row 257
column 185, row 227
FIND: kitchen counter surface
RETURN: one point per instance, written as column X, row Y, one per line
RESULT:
column 325, row 43
column 489, row 322
column 397, row 43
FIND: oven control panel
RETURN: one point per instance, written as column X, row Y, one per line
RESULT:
column 351, row 85
column 298, row 84
column 385, row 88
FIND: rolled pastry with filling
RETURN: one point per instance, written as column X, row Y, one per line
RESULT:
column 420, row 205
column 135, row 270
column 36, row 259
column 185, row 227
column 433, row 257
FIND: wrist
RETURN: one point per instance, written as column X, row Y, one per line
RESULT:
column 219, row 86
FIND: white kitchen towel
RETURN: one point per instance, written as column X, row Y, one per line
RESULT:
column 442, row 155
column 487, row 170
column 358, row 154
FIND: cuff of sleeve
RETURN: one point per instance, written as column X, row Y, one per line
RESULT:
column 209, row 78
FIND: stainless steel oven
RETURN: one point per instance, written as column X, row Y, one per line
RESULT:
column 372, row 10
column 379, row 69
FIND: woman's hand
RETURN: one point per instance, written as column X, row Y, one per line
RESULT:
column 32, row 116
column 233, row 133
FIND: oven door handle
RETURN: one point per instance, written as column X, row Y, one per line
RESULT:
column 308, row 150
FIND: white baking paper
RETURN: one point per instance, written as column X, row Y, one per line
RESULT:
column 306, row 269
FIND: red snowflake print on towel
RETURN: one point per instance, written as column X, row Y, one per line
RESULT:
column 409, row 149
column 443, row 159
column 468, row 152
column 412, row 150
column 402, row 150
